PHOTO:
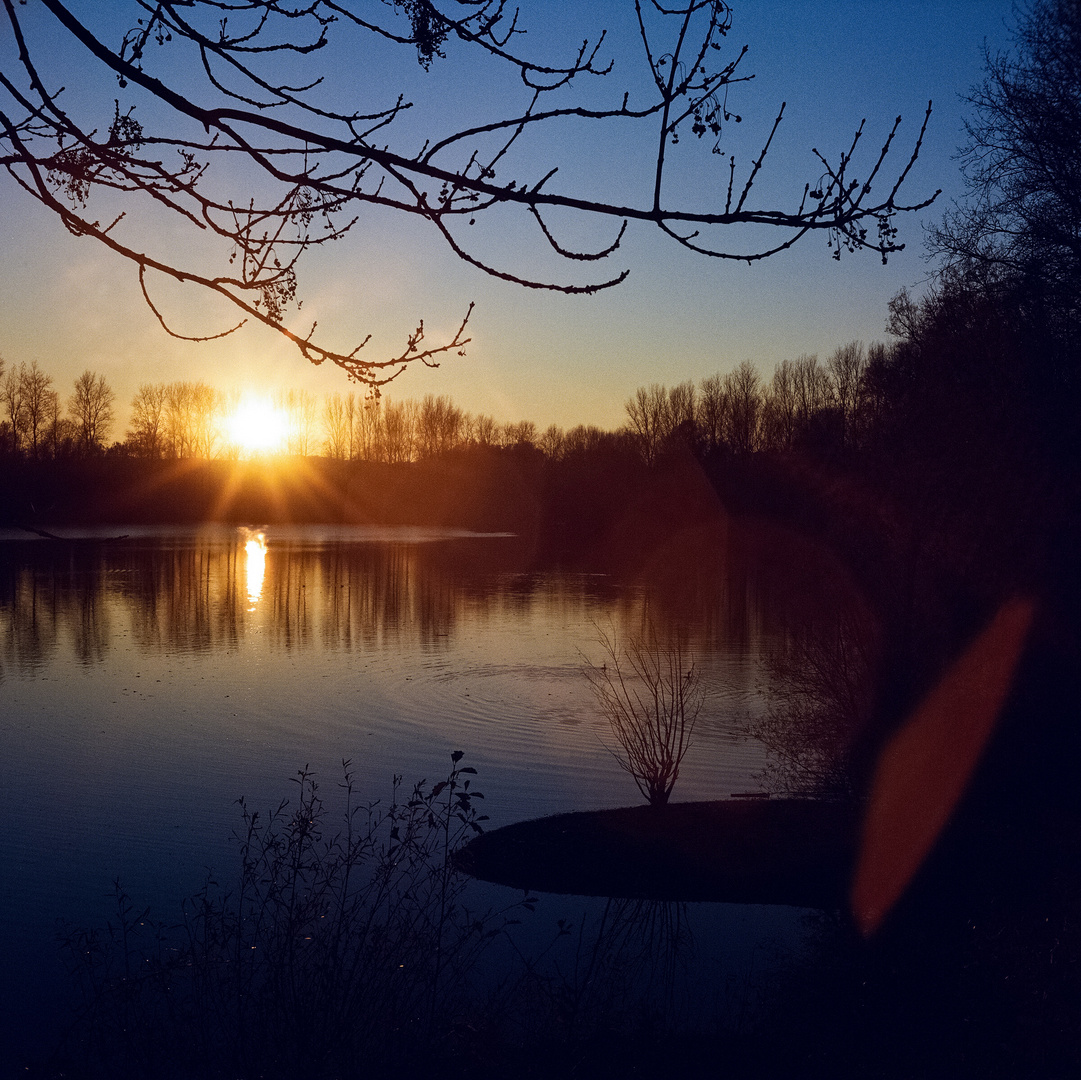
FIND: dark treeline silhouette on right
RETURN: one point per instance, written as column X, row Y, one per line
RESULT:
column 952, row 494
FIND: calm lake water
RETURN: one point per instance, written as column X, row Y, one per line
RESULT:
column 147, row 683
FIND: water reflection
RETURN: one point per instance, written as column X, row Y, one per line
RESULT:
column 255, row 550
column 206, row 590
column 149, row 682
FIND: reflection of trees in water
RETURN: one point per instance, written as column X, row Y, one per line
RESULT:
column 91, row 626
column 817, row 654
column 194, row 597
column 41, row 605
column 626, row 965
column 736, row 586
column 821, row 687
column 186, row 598
column 285, row 589
column 707, row 581
column 798, row 641
column 375, row 595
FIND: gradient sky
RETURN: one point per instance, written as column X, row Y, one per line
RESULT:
column 71, row 305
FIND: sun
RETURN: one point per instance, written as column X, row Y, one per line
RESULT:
column 257, row 426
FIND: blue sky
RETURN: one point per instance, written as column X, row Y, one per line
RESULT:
column 70, row 305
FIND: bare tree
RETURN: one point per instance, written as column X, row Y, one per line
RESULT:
column 180, row 439
column 11, row 394
column 368, row 430
column 350, row 407
column 439, row 425
column 336, row 427
column 650, row 693
column 35, row 388
column 820, row 690
column 229, row 126
column 682, row 415
column 60, row 434
column 519, row 433
column 91, row 409
column 398, row 432
column 484, row 430
column 551, row 442
column 783, row 404
column 301, row 407
column 744, row 408
column 846, row 367
column 647, row 419
column 147, row 432
column 712, row 412
column 207, row 410
column 1022, row 213
column 811, row 388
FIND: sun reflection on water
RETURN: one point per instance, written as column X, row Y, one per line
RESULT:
column 255, row 549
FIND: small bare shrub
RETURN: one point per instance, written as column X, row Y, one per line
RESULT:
column 651, row 693
column 343, row 948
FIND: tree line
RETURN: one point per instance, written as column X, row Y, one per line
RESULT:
column 35, row 422
column 806, row 403
column 184, row 419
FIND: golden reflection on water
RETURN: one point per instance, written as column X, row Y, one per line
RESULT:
column 179, row 593
column 255, row 549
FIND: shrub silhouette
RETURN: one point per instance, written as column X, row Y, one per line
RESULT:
column 650, row 692
column 343, row 947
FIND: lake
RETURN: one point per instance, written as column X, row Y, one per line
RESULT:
column 148, row 682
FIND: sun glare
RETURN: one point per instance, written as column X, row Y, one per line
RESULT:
column 257, row 426
column 255, row 549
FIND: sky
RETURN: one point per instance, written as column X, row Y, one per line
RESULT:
column 70, row 305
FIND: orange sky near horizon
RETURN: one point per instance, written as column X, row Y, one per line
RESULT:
column 71, row 305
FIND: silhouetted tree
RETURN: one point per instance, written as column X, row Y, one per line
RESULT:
column 783, row 405
column 744, row 408
column 398, row 432
column 35, row 391
column 367, row 430
column 647, row 419
column 91, row 409
column 552, row 441
column 11, row 395
column 301, row 408
column 60, row 433
column 337, row 427
column 585, row 439
column 649, row 691
column 246, row 142
column 1022, row 213
column 712, row 412
column 845, row 369
column 146, row 433
column 439, row 425
column 681, row 420
column 519, row 433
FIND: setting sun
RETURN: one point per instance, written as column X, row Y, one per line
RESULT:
column 257, row 426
